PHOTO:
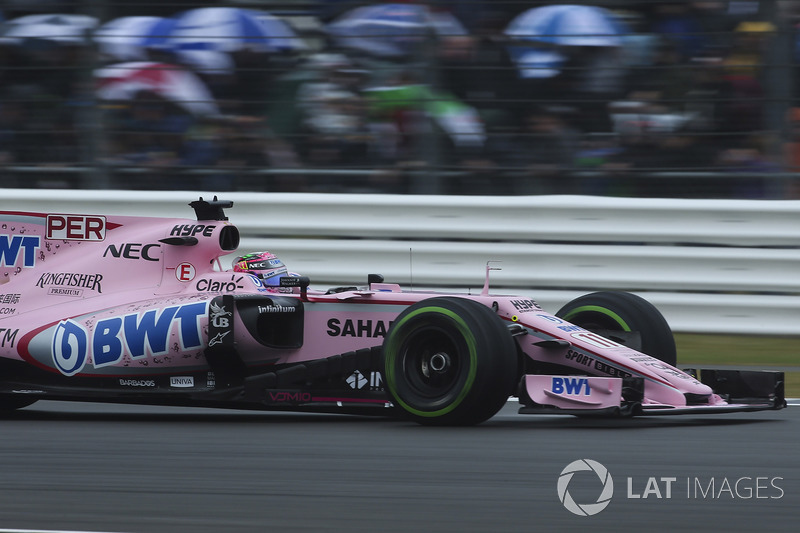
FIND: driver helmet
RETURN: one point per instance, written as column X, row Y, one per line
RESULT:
column 264, row 265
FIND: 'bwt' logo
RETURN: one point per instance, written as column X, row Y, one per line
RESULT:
column 12, row 245
column 586, row 509
column 138, row 335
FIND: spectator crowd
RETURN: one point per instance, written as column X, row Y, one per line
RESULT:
column 694, row 86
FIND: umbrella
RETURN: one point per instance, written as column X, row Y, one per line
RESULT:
column 230, row 29
column 567, row 25
column 64, row 29
column 207, row 61
column 461, row 122
column 124, row 81
column 128, row 38
column 282, row 37
column 391, row 30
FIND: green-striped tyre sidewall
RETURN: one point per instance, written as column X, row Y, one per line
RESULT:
column 396, row 340
column 481, row 354
column 623, row 311
column 597, row 309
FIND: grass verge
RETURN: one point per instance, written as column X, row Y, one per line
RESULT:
column 745, row 351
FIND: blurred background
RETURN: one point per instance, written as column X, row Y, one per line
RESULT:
column 677, row 99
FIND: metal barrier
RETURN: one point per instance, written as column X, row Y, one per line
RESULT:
column 386, row 180
column 709, row 265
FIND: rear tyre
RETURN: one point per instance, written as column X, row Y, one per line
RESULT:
column 449, row 361
column 624, row 318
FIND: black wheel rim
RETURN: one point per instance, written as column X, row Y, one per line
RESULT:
column 430, row 364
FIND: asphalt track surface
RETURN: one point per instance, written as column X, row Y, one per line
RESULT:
column 99, row 467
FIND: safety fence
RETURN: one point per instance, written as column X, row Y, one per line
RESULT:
column 709, row 265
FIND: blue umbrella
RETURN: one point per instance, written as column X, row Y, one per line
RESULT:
column 230, row 29
column 567, row 25
column 128, row 38
column 391, row 30
column 54, row 27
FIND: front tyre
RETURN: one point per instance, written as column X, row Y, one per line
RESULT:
column 625, row 318
column 449, row 361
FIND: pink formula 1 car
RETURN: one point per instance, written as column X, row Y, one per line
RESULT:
column 140, row 310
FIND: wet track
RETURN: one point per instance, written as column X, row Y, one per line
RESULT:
column 147, row 469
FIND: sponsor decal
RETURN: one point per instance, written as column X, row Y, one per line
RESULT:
column 138, row 334
column 579, row 358
column 256, row 282
column 185, row 272
column 276, row 309
column 525, row 305
column 76, row 227
column 60, row 291
column 219, row 338
column 210, row 285
column 192, row 230
column 12, row 245
column 219, row 316
column 70, row 347
column 611, row 371
column 71, row 279
column 181, row 381
column 551, row 318
column 359, row 380
column 134, row 251
column 8, row 336
column 137, row 382
column 10, row 298
column 569, row 385
column 289, row 396
column 220, row 321
column 357, row 328
column 261, row 265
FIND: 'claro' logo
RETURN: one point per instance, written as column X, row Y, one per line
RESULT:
column 138, row 334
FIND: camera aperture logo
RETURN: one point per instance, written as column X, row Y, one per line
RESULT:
column 585, row 509
column 664, row 487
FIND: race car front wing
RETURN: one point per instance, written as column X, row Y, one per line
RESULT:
column 734, row 391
